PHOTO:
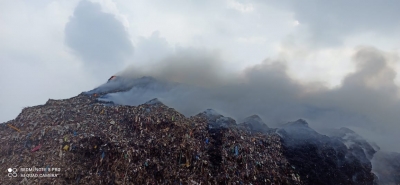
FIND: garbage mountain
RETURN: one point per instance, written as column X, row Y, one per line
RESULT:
column 93, row 141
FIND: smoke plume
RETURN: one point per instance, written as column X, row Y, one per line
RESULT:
column 193, row 80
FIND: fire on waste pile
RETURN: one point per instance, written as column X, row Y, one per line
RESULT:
column 97, row 143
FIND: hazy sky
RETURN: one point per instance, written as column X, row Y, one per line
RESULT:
column 57, row 49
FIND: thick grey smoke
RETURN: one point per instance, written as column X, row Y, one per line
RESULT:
column 386, row 165
column 367, row 101
column 330, row 22
column 98, row 38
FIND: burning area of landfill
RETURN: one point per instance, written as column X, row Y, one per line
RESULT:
column 98, row 142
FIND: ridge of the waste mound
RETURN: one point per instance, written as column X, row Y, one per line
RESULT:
column 154, row 101
column 254, row 117
column 217, row 120
column 255, row 124
column 355, row 143
column 300, row 132
column 297, row 123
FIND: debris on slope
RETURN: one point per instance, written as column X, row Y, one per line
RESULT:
column 354, row 142
column 93, row 142
column 320, row 159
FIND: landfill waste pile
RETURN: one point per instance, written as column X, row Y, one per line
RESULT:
column 324, row 157
column 86, row 140
column 94, row 142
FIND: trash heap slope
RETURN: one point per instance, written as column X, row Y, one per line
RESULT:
column 96, row 143
column 320, row 159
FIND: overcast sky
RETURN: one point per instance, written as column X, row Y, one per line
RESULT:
column 57, row 49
